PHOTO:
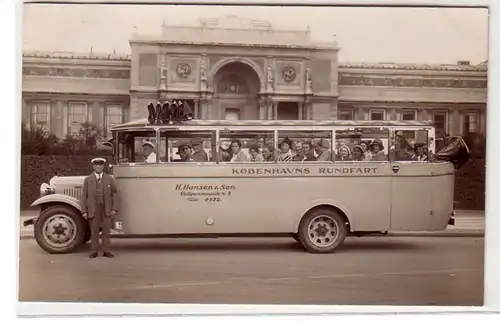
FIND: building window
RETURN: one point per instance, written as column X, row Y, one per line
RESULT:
column 470, row 122
column 114, row 117
column 78, row 115
column 233, row 114
column 41, row 115
column 441, row 123
column 409, row 115
column 346, row 114
column 377, row 115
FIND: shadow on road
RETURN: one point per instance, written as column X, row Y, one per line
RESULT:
column 245, row 245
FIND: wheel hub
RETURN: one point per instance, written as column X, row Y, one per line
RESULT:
column 59, row 230
column 323, row 231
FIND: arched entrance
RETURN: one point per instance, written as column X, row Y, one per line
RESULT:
column 236, row 86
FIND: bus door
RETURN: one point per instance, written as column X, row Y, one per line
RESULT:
column 411, row 190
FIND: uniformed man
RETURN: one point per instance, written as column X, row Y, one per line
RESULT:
column 148, row 148
column 99, row 206
column 199, row 155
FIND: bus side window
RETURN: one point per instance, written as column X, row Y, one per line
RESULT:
column 304, row 146
column 133, row 146
column 246, row 146
column 411, row 146
column 362, row 144
column 189, row 146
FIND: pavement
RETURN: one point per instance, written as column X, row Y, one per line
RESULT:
column 467, row 223
column 364, row 271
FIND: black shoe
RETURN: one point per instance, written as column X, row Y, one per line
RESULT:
column 108, row 254
column 93, row 255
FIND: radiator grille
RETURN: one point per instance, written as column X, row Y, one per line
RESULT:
column 74, row 192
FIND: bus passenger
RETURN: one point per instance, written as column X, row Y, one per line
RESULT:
column 358, row 153
column 237, row 154
column 148, row 151
column 344, row 153
column 306, row 153
column 224, row 153
column 267, row 153
column 366, row 152
column 184, row 151
column 323, row 151
column 199, row 155
column 285, row 148
column 419, row 152
column 377, row 150
column 255, row 155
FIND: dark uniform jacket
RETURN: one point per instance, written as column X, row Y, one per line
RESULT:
column 89, row 198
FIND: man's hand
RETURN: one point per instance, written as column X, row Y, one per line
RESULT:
column 84, row 215
column 113, row 213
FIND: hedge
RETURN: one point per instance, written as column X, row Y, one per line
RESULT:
column 36, row 169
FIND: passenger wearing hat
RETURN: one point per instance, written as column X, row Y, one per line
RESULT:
column 148, row 149
column 377, row 150
column 184, row 151
column 199, row 155
column 419, row 152
column 99, row 205
column 286, row 153
column 358, row 153
column 323, row 150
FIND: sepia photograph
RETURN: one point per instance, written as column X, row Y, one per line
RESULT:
column 298, row 155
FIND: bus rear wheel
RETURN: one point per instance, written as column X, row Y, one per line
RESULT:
column 60, row 230
column 322, row 230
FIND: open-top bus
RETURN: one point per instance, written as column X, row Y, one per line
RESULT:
column 315, row 188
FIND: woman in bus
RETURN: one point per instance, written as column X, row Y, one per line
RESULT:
column 286, row 154
column 238, row 155
column 358, row 153
column 344, row 153
column 255, row 155
column 366, row 152
column 377, row 150
column 419, row 152
column 224, row 153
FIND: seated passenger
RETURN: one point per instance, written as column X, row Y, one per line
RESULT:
column 358, row 153
column 184, row 151
column 306, row 153
column 225, row 154
column 419, row 152
column 323, row 151
column 267, row 153
column 255, row 155
column 377, row 150
column 366, row 152
column 285, row 148
column 237, row 154
column 199, row 155
column 344, row 154
column 148, row 151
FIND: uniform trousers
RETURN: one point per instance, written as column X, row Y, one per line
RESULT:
column 103, row 222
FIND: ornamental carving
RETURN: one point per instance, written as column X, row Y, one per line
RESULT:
column 76, row 72
column 183, row 70
column 289, row 74
column 411, row 82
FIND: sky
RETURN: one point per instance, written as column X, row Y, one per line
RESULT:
column 389, row 35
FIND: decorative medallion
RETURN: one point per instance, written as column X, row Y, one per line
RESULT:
column 289, row 74
column 183, row 70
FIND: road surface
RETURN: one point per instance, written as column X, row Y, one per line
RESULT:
column 365, row 271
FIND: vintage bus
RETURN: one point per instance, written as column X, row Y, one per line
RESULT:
column 315, row 181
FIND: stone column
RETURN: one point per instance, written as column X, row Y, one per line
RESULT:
column 262, row 109
column 26, row 112
column 393, row 115
column 196, row 111
column 309, row 111
column 57, row 121
column 301, row 110
column 456, row 122
column 275, row 110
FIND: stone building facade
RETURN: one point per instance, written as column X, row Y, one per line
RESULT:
column 236, row 69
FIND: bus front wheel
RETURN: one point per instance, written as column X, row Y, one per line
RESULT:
column 60, row 229
column 322, row 230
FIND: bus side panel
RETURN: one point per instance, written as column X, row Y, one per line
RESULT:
column 443, row 195
column 247, row 205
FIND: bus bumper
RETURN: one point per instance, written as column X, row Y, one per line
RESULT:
column 451, row 221
column 29, row 222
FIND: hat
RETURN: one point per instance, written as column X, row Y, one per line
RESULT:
column 255, row 147
column 357, row 146
column 323, row 143
column 418, row 145
column 148, row 143
column 98, row 160
column 287, row 141
column 345, row 147
column 379, row 142
column 180, row 147
column 196, row 141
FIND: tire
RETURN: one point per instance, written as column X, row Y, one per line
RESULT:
column 322, row 230
column 60, row 229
